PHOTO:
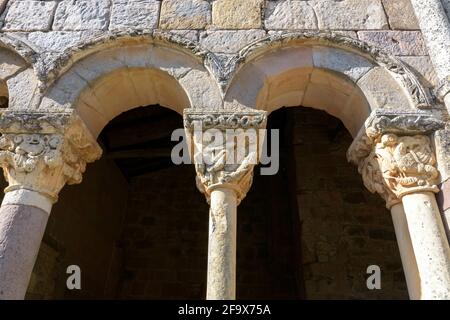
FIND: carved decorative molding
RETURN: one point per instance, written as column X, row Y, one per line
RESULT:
column 43, row 152
column 225, row 120
column 211, row 165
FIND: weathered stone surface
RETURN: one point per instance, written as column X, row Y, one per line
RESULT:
column 187, row 14
column 82, row 15
column 435, row 27
column 237, row 14
column 402, row 43
column 446, row 5
column 341, row 61
column 350, row 14
column 9, row 64
column 188, row 34
column 136, row 14
column 400, row 14
column 3, row 5
column 29, row 15
column 290, row 15
column 229, row 41
column 424, row 68
column 57, row 41
column 382, row 91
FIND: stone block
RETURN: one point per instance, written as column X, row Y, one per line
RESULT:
column 186, row 14
column 237, row 14
column 135, row 14
column 82, row 15
column 401, row 14
column 229, row 41
column 401, row 43
column 424, row 67
column 29, row 15
column 289, row 15
column 350, row 14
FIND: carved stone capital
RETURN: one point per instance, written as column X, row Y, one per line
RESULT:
column 43, row 152
column 394, row 155
column 397, row 166
column 227, row 160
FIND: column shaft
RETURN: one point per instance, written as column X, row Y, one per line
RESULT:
column 23, row 218
column 429, row 243
column 406, row 251
column 221, row 283
column 436, row 30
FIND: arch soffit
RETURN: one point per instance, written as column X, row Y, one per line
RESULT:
column 410, row 85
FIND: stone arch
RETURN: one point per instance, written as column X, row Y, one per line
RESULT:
column 16, row 60
column 109, row 76
column 343, row 76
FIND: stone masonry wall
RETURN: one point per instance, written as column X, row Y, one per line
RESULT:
column 222, row 26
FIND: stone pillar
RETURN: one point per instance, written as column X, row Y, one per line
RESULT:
column 435, row 28
column 406, row 250
column 225, row 147
column 221, row 283
column 402, row 168
column 40, row 154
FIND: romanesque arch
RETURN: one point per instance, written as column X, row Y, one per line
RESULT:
column 108, row 77
column 338, row 74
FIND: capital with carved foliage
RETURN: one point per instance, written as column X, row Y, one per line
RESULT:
column 44, row 151
column 225, row 147
column 394, row 155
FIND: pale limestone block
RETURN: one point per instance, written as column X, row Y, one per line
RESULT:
column 350, row 14
column 383, row 91
column 202, row 89
column 423, row 67
column 401, row 14
column 237, row 14
column 191, row 35
column 29, row 15
column 186, row 14
column 9, row 64
column 57, row 41
column 229, row 41
column 349, row 64
column 82, row 15
column 23, row 90
column 289, row 15
column 136, row 14
column 401, row 43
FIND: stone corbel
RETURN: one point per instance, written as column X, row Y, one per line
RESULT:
column 217, row 172
column 394, row 155
column 43, row 151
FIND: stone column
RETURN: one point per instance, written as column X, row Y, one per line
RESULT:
column 225, row 147
column 406, row 250
column 435, row 28
column 40, row 154
column 402, row 168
